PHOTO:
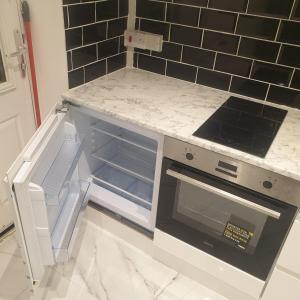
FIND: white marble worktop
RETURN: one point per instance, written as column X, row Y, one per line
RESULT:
column 177, row 108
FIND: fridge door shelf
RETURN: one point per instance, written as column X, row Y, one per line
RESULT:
column 118, row 155
column 67, row 225
column 125, row 135
column 60, row 172
column 124, row 185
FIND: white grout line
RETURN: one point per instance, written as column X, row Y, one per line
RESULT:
column 267, row 93
column 196, row 75
column 223, row 32
column 292, row 9
column 202, row 37
column 291, row 79
column 96, row 61
column 236, row 23
column 278, row 54
column 251, row 68
column 234, row 12
column 238, row 47
column 277, row 31
column 229, row 87
column 218, row 71
column 98, row 22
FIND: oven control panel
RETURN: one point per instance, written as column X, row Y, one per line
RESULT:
column 250, row 176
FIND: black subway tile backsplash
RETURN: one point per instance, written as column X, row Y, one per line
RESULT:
column 94, row 38
column 76, row 77
column 231, row 5
column 155, row 27
column 181, row 71
column 192, row 2
column 271, row 73
column 258, row 49
column 220, row 42
column 290, row 56
column 296, row 80
column 108, row 48
column 170, row 51
column 218, row 20
column 259, row 27
column 106, row 10
column 289, row 32
column 84, row 55
column 233, row 64
column 116, row 27
column 181, row 14
column 73, row 38
column 199, row 57
column 116, row 62
column 186, row 35
column 94, row 33
column 95, row 70
column 213, row 79
column 150, row 9
column 152, row 64
column 273, row 8
column 284, row 96
column 247, row 87
column 248, row 47
column 81, row 14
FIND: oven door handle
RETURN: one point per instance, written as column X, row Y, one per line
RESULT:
column 224, row 194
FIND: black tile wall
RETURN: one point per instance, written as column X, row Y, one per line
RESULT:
column 94, row 38
column 248, row 47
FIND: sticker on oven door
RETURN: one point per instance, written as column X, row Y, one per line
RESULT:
column 240, row 235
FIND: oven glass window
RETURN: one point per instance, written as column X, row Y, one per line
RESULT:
column 230, row 222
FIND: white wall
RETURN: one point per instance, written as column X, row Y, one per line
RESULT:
column 49, row 51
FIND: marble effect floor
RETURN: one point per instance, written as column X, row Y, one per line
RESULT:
column 102, row 267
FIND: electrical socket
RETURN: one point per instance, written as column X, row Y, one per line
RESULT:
column 143, row 40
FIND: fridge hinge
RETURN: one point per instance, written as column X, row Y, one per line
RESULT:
column 64, row 107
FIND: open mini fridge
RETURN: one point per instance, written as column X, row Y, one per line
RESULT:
column 80, row 155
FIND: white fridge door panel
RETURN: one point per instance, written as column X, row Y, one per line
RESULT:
column 48, row 194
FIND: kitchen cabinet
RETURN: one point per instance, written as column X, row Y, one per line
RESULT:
column 79, row 155
column 289, row 257
column 282, row 286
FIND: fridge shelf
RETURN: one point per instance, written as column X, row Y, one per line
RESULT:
column 125, row 135
column 125, row 185
column 61, row 170
column 134, row 163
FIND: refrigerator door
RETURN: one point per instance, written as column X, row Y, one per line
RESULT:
column 48, row 194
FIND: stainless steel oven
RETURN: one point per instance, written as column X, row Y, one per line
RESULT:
column 234, row 211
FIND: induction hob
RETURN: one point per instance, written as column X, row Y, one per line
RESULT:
column 244, row 125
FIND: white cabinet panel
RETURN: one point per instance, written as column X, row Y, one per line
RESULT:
column 289, row 257
column 282, row 286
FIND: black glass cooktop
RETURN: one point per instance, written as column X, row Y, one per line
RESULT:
column 244, row 125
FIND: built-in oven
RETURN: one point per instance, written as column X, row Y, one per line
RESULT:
column 224, row 207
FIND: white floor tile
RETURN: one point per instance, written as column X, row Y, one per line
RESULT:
column 102, row 267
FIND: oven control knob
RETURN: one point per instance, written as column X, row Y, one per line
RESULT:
column 189, row 156
column 267, row 184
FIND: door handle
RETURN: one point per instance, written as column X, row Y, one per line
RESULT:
column 20, row 52
column 267, row 211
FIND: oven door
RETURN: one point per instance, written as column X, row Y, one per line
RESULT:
column 239, row 226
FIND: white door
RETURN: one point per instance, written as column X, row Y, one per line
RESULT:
column 17, row 122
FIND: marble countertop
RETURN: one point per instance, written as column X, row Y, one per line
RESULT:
column 177, row 108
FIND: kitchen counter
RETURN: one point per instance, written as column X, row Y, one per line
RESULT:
column 177, row 108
